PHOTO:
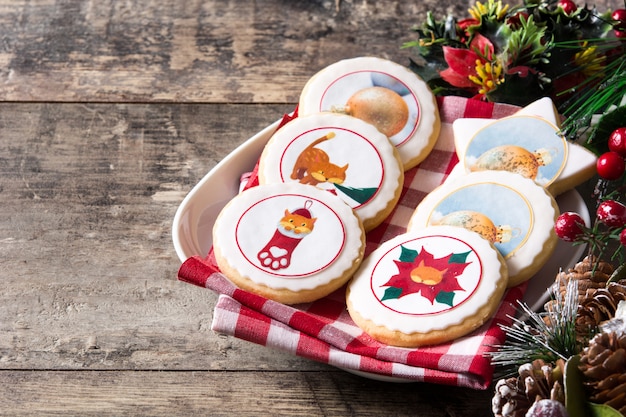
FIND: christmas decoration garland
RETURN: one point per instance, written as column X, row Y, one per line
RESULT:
column 570, row 358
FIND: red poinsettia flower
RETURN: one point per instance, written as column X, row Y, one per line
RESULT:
column 427, row 275
column 461, row 64
column 472, row 68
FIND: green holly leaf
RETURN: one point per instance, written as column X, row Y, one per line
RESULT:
column 407, row 255
column 599, row 138
column 446, row 298
column 391, row 293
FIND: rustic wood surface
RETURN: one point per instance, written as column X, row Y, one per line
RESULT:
column 110, row 112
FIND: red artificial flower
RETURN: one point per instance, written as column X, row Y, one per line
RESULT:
column 462, row 63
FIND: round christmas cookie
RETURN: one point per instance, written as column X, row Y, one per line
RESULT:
column 513, row 212
column 340, row 154
column 388, row 95
column 289, row 242
column 427, row 286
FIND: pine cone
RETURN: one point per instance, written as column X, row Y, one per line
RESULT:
column 536, row 381
column 587, row 277
column 603, row 364
column 597, row 303
column 598, row 306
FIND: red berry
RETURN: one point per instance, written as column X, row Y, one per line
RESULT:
column 568, row 6
column 610, row 165
column 622, row 237
column 619, row 15
column 569, row 226
column 612, row 213
column 617, row 141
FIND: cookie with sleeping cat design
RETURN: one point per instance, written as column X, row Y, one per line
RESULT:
column 289, row 242
column 383, row 93
column 340, row 154
column 427, row 286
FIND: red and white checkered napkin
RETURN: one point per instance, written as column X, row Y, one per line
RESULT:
column 323, row 330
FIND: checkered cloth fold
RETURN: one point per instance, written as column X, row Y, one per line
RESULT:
column 323, row 330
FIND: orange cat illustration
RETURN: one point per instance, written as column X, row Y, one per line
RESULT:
column 313, row 166
column 297, row 223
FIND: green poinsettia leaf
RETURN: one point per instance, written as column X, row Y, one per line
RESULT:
column 446, row 298
column 603, row 410
column 392, row 293
column 407, row 255
column 459, row 258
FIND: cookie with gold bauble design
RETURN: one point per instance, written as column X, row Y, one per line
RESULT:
column 383, row 93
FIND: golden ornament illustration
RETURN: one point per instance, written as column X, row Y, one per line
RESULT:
column 379, row 106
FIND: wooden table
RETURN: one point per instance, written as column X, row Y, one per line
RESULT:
column 110, row 112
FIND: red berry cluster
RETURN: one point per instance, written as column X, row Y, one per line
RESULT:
column 610, row 224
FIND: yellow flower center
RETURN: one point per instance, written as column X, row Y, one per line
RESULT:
column 488, row 76
column 490, row 8
column 427, row 274
column 589, row 60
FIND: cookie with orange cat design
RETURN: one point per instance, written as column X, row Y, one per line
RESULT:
column 289, row 242
column 342, row 155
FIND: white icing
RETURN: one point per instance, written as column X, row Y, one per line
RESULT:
column 371, row 161
column 522, row 212
column 333, row 86
column 534, row 128
column 246, row 234
column 414, row 312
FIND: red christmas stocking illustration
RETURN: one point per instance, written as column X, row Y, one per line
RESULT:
column 292, row 228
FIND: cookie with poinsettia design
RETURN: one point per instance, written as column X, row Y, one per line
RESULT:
column 427, row 287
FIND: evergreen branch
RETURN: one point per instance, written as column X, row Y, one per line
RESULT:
column 548, row 336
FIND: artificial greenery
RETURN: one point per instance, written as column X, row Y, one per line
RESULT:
column 519, row 54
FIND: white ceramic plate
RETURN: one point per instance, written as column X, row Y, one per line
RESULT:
column 193, row 222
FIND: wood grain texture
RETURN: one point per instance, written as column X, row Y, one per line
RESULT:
column 94, row 393
column 213, row 51
column 88, row 195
